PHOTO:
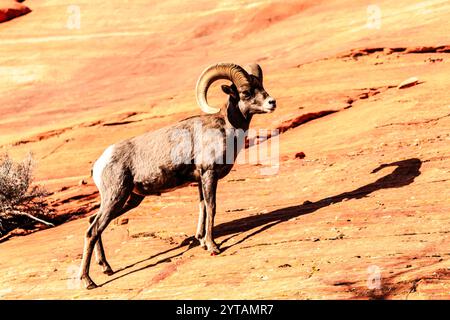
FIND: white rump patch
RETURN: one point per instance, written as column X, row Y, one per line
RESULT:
column 100, row 164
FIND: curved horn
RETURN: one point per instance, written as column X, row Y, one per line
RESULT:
column 228, row 71
column 255, row 69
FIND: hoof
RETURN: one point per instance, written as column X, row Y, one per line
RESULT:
column 214, row 250
column 202, row 243
column 91, row 286
column 108, row 272
column 88, row 283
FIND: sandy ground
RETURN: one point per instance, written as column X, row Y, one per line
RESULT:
column 365, row 214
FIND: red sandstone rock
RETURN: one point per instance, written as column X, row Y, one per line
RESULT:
column 332, row 217
column 300, row 155
column 10, row 10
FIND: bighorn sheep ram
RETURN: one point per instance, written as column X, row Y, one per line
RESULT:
column 174, row 156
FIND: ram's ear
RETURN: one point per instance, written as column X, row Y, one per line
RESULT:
column 229, row 90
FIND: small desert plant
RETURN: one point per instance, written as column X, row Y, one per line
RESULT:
column 19, row 200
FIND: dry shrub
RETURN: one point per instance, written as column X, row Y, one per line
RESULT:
column 20, row 202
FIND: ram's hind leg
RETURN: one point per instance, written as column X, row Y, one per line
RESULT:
column 133, row 201
column 113, row 200
column 100, row 222
column 100, row 253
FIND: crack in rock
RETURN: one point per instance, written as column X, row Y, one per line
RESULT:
column 354, row 53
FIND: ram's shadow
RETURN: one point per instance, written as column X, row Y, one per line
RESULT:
column 404, row 174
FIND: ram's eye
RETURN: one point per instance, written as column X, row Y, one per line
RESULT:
column 246, row 94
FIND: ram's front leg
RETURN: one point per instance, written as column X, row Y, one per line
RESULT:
column 200, row 234
column 209, row 183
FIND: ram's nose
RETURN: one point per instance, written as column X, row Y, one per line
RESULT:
column 271, row 104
